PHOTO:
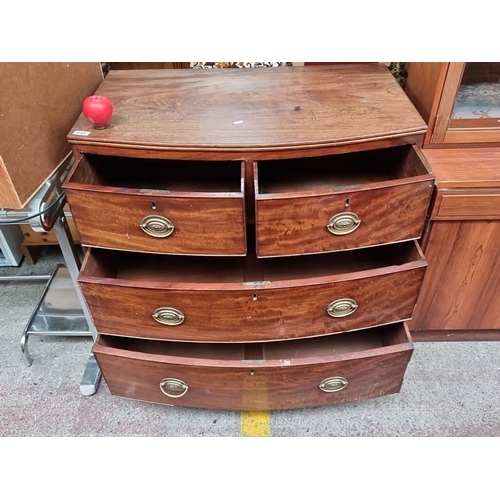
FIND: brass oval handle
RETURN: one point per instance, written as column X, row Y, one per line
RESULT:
column 157, row 226
column 343, row 223
column 333, row 384
column 173, row 387
column 168, row 316
column 341, row 307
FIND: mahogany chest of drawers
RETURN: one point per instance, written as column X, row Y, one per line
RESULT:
column 251, row 235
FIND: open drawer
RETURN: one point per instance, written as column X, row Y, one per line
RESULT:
column 229, row 299
column 340, row 202
column 159, row 206
column 269, row 376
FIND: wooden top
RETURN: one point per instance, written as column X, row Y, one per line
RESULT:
column 465, row 167
column 245, row 110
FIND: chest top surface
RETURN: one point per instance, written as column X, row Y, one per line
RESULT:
column 252, row 109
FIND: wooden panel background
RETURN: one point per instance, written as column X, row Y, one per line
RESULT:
column 39, row 102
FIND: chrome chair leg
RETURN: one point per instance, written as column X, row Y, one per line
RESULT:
column 28, row 360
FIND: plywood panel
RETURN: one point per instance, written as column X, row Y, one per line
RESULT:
column 38, row 104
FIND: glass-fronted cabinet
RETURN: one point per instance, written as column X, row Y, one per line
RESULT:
column 460, row 295
column 460, row 101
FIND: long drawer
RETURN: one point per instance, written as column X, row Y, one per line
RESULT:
column 467, row 204
column 201, row 299
column 270, row 376
column 159, row 206
column 340, row 202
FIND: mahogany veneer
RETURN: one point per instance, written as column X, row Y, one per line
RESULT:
column 387, row 189
column 200, row 175
column 111, row 196
column 274, row 376
column 221, row 302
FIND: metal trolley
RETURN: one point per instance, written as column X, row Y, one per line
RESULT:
column 61, row 310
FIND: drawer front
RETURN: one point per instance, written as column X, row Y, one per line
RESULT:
column 159, row 206
column 317, row 379
column 353, row 219
column 462, row 204
column 341, row 202
column 199, row 226
column 255, row 313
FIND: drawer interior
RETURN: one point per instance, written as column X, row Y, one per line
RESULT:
column 159, row 175
column 127, row 266
column 339, row 172
column 329, row 346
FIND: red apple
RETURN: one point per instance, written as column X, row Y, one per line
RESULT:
column 98, row 110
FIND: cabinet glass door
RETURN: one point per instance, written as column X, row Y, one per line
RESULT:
column 477, row 103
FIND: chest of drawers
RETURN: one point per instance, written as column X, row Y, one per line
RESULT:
column 251, row 236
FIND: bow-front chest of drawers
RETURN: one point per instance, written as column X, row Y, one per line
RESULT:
column 251, row 235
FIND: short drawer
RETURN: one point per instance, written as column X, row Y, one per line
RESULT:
column 340, row 202
column 159, row 206
column 467, row 204
column 271, row 376
column 202, row 299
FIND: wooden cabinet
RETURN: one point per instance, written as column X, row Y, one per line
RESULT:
column 251, row 236
column 460, row 297
column 459, row 101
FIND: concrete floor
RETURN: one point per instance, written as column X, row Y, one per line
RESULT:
column 450, row 389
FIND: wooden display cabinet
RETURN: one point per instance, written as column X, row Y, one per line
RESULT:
column 459, row 101
column 460, row 297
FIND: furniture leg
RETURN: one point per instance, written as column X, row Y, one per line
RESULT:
column 92, row 373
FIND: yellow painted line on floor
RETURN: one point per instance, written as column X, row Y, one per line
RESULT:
column 255, row 423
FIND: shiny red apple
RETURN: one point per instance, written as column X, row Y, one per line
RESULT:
column 98, row 110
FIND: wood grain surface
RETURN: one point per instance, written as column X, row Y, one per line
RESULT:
column 461, row 290
column 295, row 225
column 465, row 167
column 227, row 308
column 110, row 198
column 467, row 204
column 254, row 109
column 261, row 384
column 388, row 190
column 256, row 333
